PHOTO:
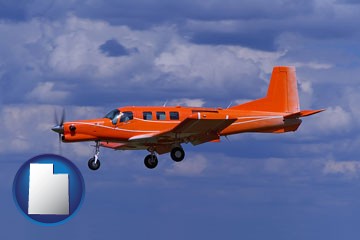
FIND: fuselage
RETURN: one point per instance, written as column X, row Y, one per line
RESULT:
column 124, row 123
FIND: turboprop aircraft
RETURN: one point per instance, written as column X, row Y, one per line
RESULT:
column 161, row 130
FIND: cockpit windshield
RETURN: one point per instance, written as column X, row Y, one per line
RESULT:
column 113, row 115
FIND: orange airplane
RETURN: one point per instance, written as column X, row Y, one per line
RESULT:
column 163, row 129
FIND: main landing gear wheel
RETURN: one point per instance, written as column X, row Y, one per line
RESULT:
column 94, row 165
column 177, row 154
column 151, row 161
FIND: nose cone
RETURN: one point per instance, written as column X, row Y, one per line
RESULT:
column 58, row 129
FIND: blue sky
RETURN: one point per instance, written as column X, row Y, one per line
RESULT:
column 93, row 56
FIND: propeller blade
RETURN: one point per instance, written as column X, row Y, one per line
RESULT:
column 62, row 117
column 59, row 126
column 56, row 121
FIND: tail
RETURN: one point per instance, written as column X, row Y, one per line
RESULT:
column 282, row 95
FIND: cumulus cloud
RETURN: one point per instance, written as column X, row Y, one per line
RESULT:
column 193, row 166
column 27, row 128
column 45, row 93
column 334, row 120
column 67, row 52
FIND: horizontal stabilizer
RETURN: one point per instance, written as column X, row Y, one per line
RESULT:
column 303, row 113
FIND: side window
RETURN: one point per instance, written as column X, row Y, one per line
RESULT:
column 174, row 115
column 147, row 115
column 126, row 116
column 160, row 116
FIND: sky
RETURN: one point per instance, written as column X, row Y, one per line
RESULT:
column 90, row 56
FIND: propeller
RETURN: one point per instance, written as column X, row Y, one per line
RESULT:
column 59, row 127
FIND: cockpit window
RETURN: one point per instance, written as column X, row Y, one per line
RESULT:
column 126, row 116
column 113, row 116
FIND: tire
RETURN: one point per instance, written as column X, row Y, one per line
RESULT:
column 92, row 165
column 151, row 161
column 177, row 154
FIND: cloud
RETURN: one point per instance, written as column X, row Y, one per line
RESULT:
column 67, row 52
column 313, row 65
column 27, row 128
column 194, row 166
column 112, row 48
column 45, row 93
column 333, row 121
column 352, row 99
column 347, row 168
column 195, row 102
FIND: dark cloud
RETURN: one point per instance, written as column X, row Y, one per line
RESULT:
column 163, row 11
column 145, row 13
column 112, row 48
column 260, row 23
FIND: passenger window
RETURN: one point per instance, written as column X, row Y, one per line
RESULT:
column 174, row 115
column 126, row 116
column 147, row 115
column 160, row 116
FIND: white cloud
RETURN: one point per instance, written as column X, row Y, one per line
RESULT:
column 306, row 87
column 195, row 102
column 347, row 168
column 28, row 128
column 241, row 101
column 312, row 65
column 193, row 166
column 334, row 120
column 45, row 93
column 215, row 66
column 67, row 52
column 353, row 99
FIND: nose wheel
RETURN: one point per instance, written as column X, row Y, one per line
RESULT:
column 94, row 162
column 151, row 161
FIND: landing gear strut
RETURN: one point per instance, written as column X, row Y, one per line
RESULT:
column 151, row 161
column 94, row 162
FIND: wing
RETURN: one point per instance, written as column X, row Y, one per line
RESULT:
column 198, row 128
column 202, row 127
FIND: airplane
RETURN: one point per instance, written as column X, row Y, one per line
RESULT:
column 163, row 129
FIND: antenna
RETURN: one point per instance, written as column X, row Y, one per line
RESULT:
column 229, row 105
column 165, row 103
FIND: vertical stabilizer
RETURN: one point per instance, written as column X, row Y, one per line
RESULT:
column 282, row 95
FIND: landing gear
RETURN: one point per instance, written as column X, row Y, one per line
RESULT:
column 94, row 162
column 151, row 161
column 177, row 154
column 93, row 165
